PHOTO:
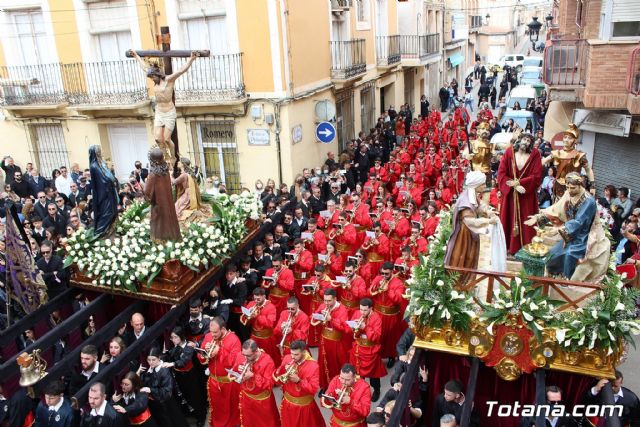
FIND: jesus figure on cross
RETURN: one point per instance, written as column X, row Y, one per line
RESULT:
column 165, row 116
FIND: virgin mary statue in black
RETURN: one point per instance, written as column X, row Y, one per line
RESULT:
column 104, row 189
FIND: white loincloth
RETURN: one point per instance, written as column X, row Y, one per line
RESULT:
column 166, row 119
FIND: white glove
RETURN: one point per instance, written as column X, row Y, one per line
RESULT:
column 226, row 301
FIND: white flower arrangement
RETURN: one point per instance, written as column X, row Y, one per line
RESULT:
column 133, row 257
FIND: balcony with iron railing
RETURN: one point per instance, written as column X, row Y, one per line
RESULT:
column 419, row 48
column 348, row 59
column 216, row 78
column 565, row 63
column 341, row 5
column 475, row 21
column 590, row 72
column 115, row 83
column 388, row 50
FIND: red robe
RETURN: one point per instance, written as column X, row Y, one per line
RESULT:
column 317, row 299
column 389, row 305
column 334, row 343
column 280, row 292
column 367, row 271
column 419, row 247
column 299, row 407
column 347, row 241
column 223, row 393
column 401, row 231
column 377, row 254
column 530, row 177
column 298, row 331
column 355, row 412
column 365, row 353
column 430, row 225
column 318, row 245
column 262, row 327
column 302, row 270
column 350, row 296
column 257, row 403
column 361, row 217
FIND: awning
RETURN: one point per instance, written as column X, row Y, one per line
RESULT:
column 456, row 59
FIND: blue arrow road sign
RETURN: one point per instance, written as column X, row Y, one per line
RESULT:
column 325, row 132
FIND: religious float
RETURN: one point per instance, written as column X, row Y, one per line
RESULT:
column 517, row 322
column 131, row 263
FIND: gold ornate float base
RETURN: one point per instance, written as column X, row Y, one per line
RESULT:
column 503, row 353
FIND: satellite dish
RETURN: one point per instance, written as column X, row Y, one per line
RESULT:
column 325, row 111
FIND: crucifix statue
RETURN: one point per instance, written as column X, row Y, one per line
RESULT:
column 164, row 122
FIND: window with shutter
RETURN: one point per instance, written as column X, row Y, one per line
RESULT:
column 621, row 18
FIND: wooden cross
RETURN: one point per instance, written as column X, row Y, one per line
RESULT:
column 166, row 54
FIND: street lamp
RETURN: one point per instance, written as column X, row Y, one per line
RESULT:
column 534, row 31
column 549, row 20
column 487, row 17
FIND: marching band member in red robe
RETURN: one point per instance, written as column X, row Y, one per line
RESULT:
column 333, row 261
column 293, row 324
column 423, row 166
column 379, row 171
column 302, row 267
column 345, row 236
column 326, row 223
column 365, row 269
column 387, row 294
column 378, row 247
column 318, row 243
column 335, row 340
column 416, row 243
column 361, row 218
column 365, row 353
column 411, row 192
column 429, row 218
column 349, row 398
column 263, row 321
column 349, row 293
column 403, row 266
column 399, row 229
column 257, row 403
column 299, row 376
column 221, row 348
column 436, row 165
column 280, row 282
column 316, row 287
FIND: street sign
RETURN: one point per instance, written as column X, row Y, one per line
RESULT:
column 325, row 132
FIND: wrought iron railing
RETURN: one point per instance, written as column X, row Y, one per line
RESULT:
column 476, row 21
column 388, row 49
column 105, row 83
column 420, row 47
column 348, row 58
column 633, row 74
column 214, row 78
column 340, row 5
column 32, row 84
column 565, row 62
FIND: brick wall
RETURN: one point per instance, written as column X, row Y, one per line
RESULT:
column 606, row 83
column 567, row 17
column 591, row 19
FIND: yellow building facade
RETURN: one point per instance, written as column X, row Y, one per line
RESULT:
column 249, row 111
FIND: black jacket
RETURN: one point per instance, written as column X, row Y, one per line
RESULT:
column 38, row 186
column 64, row 417
column 442, row 407
column 54, row 287
column 21, row 188
column 160, row 383
column 110, row 419
column 59, row 223
column 629, row 401
column 78, row 381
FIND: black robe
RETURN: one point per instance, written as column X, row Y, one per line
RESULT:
column 135, row 405
column 164, row 408
column 190, row 379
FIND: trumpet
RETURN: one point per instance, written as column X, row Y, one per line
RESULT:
column 208, row 353
column 292, row 368
column 369, row 243
column 243, row 371
column 382, row 287
column 325, row 313
column 315, row 283
column 359, row 325
column 344, row 392
column 286, row 329
column 255, row 311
